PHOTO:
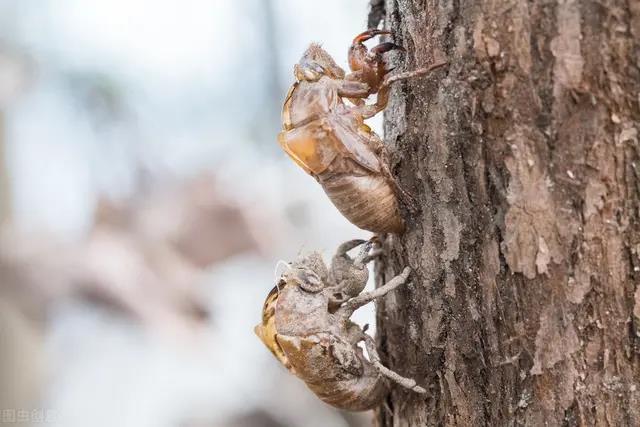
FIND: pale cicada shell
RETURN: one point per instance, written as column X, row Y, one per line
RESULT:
column 337, row 151
column 305, row 324
column 329, row 139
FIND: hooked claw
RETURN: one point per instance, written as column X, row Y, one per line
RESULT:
column 370, row 33
column 386, row 47
column 364, row 253
column 348, row 245
column 369, row 66
column 362, row 257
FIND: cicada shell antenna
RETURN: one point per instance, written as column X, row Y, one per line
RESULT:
column 277, row 273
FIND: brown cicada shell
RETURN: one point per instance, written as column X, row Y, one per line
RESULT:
column 305, row 324
column 330, row 140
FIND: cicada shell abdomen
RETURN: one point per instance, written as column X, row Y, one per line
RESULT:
column 362, row 194
column 335, row 371
column 367, row 200
column 357, row 394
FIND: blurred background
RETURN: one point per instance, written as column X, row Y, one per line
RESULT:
column 145, row 204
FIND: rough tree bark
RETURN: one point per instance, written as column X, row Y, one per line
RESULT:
column 524, row 158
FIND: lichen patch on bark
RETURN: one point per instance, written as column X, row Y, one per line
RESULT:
column 556, row 340
column 532, row 237
column 566, row 46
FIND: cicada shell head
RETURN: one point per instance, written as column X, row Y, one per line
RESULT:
column 315, row 263
column 315, row 63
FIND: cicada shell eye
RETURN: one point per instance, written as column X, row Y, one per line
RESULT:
column 308, row 71
column 308, row 280
column 311, row 76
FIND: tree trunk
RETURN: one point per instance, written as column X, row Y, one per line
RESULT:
column 523, row 156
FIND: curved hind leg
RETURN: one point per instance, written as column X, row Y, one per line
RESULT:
column 405, row 382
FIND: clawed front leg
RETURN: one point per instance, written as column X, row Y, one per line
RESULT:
column 354, row 89
column 342, row 261
column 372, row 255
column 363, row 257
column 405, row 382
column 349, row 275
column 369, row 110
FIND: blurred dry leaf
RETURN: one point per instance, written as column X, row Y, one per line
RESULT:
column 143, row 258
column 195, row 219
